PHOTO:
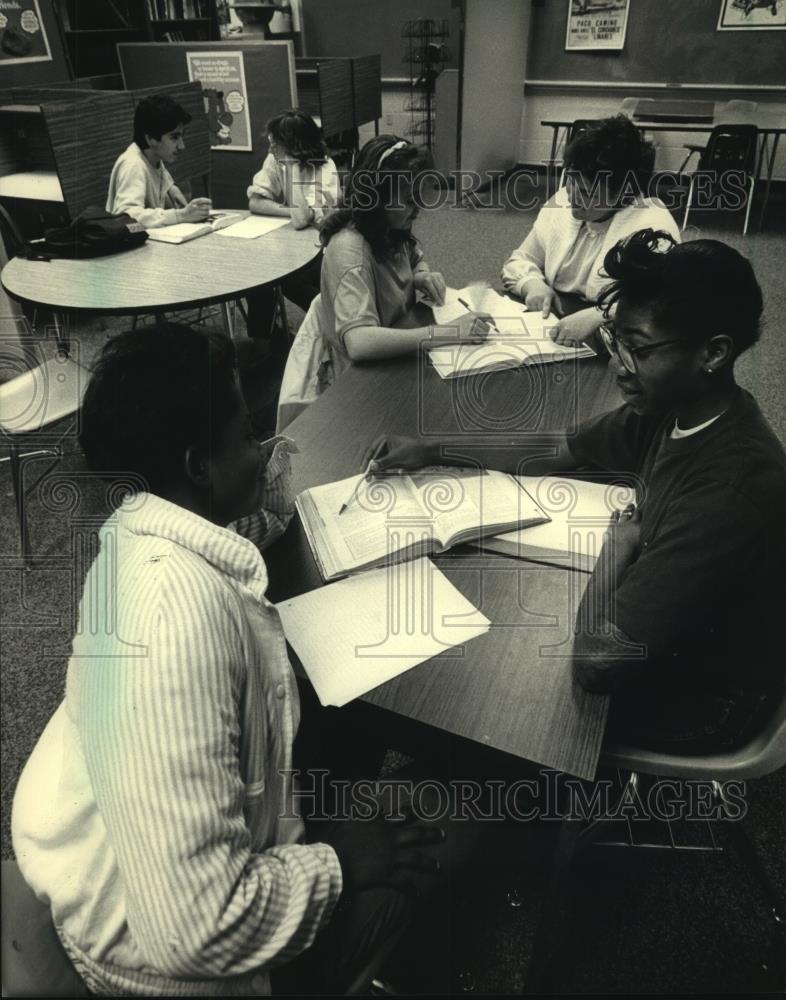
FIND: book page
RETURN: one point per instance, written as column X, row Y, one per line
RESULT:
column 379, row 624
column 520, row 337
column 254, row 226
column 465, row 501
column 383, row 515
column 579, row 513
column 179, row 233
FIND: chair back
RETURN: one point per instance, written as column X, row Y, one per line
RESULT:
column 730, row 147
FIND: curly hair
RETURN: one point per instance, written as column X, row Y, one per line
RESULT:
column 695, row 289
column 300, row 136
column 374, row 183
column 154, row 393
column 614, row 148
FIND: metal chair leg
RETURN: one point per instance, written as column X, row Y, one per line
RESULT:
column 751, row 189
column 19, row 500
column 687, row 204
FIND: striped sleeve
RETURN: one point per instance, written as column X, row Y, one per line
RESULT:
column 161, row 734
column 278, row 500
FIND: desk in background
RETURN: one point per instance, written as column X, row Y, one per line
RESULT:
column 771, row 125
column 512, row 688
column 160, row 277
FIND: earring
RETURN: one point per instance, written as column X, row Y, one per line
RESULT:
column 709, row 371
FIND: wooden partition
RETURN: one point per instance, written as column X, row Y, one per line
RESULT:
column 367, row 88
column 269, row 71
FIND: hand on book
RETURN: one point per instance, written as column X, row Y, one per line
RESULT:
column 196, row 210
column 393, row 452
column 469, row 328
column 571, row 331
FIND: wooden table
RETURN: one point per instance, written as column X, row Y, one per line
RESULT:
column 159, row 277
column 510, row 689
column 771, row 124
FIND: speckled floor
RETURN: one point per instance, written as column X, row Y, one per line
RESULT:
column 635, row 922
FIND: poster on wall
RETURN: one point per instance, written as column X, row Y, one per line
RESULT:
column 596, row 24
column 752, row 15
column 223, row 79
column 22, row 33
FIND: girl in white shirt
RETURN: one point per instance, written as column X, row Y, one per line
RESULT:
column 297, row 180
column 606, row 167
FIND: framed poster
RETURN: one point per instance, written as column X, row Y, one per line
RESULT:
column 22, row 33
column 596, row 24
column 223, row 79
column 752, row 15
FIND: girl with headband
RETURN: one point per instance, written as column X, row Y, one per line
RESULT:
column 372, row 271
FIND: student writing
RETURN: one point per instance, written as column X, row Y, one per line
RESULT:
column 140, row 184
column 372, row 271
column 680, row 620
column 607, row 168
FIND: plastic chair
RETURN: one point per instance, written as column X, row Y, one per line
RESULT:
column 35, row 963
column 730, row 148
column 730, row 107
column 763, row 755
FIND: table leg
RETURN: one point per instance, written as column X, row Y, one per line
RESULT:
column 60, row 321
column 554, row 136
column 229, row 325
column 770, row 168
column 17, row 484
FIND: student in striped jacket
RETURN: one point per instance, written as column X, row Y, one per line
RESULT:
column 157, row 814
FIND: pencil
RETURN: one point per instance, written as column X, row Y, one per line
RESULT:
column 354, row 492
column 469, row 308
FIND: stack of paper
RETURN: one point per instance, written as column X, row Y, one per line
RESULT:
column 519, row 338
column 579, row 514
column 254, row 226
column 354, row 635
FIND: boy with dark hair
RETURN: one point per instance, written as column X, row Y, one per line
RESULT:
column 140, row 184
column 157, row 815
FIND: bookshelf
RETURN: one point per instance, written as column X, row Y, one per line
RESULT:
column 92, row 28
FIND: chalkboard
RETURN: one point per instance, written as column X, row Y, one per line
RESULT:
column 668, row 41
column 358, row 27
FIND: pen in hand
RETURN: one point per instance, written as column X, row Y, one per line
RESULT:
column 469, row 308
column 366, row 474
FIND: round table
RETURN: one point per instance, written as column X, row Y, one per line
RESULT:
column 159, row 277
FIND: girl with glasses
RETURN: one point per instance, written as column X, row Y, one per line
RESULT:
column 681, row 617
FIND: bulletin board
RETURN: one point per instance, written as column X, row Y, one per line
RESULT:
column 269, row 74
column 32, row 52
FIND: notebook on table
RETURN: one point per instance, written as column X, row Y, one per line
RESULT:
column 182, row 232
column 520, row 337
column 398, row 517
column 380, row 624
column 579, row 513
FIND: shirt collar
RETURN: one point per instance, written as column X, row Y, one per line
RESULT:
column 230, row 553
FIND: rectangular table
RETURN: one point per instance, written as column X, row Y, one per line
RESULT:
column 510, row 689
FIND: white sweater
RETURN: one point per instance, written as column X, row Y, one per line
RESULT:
column 146, row 193
column 551, row 238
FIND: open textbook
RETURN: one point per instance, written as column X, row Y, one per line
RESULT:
column 182, row 232
column 579, row 513
column 394, row 518
column 520, row 337
column 380, row 624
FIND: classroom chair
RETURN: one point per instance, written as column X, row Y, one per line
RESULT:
column 730, row 148
column 763, row 755
column 730, row 107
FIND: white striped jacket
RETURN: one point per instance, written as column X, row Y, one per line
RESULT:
column 152, row 813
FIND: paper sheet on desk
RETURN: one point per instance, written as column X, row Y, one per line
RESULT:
column 523, row 337
column 353, row 635
column 254, row 226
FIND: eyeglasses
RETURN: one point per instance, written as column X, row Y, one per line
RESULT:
column 627, row 355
